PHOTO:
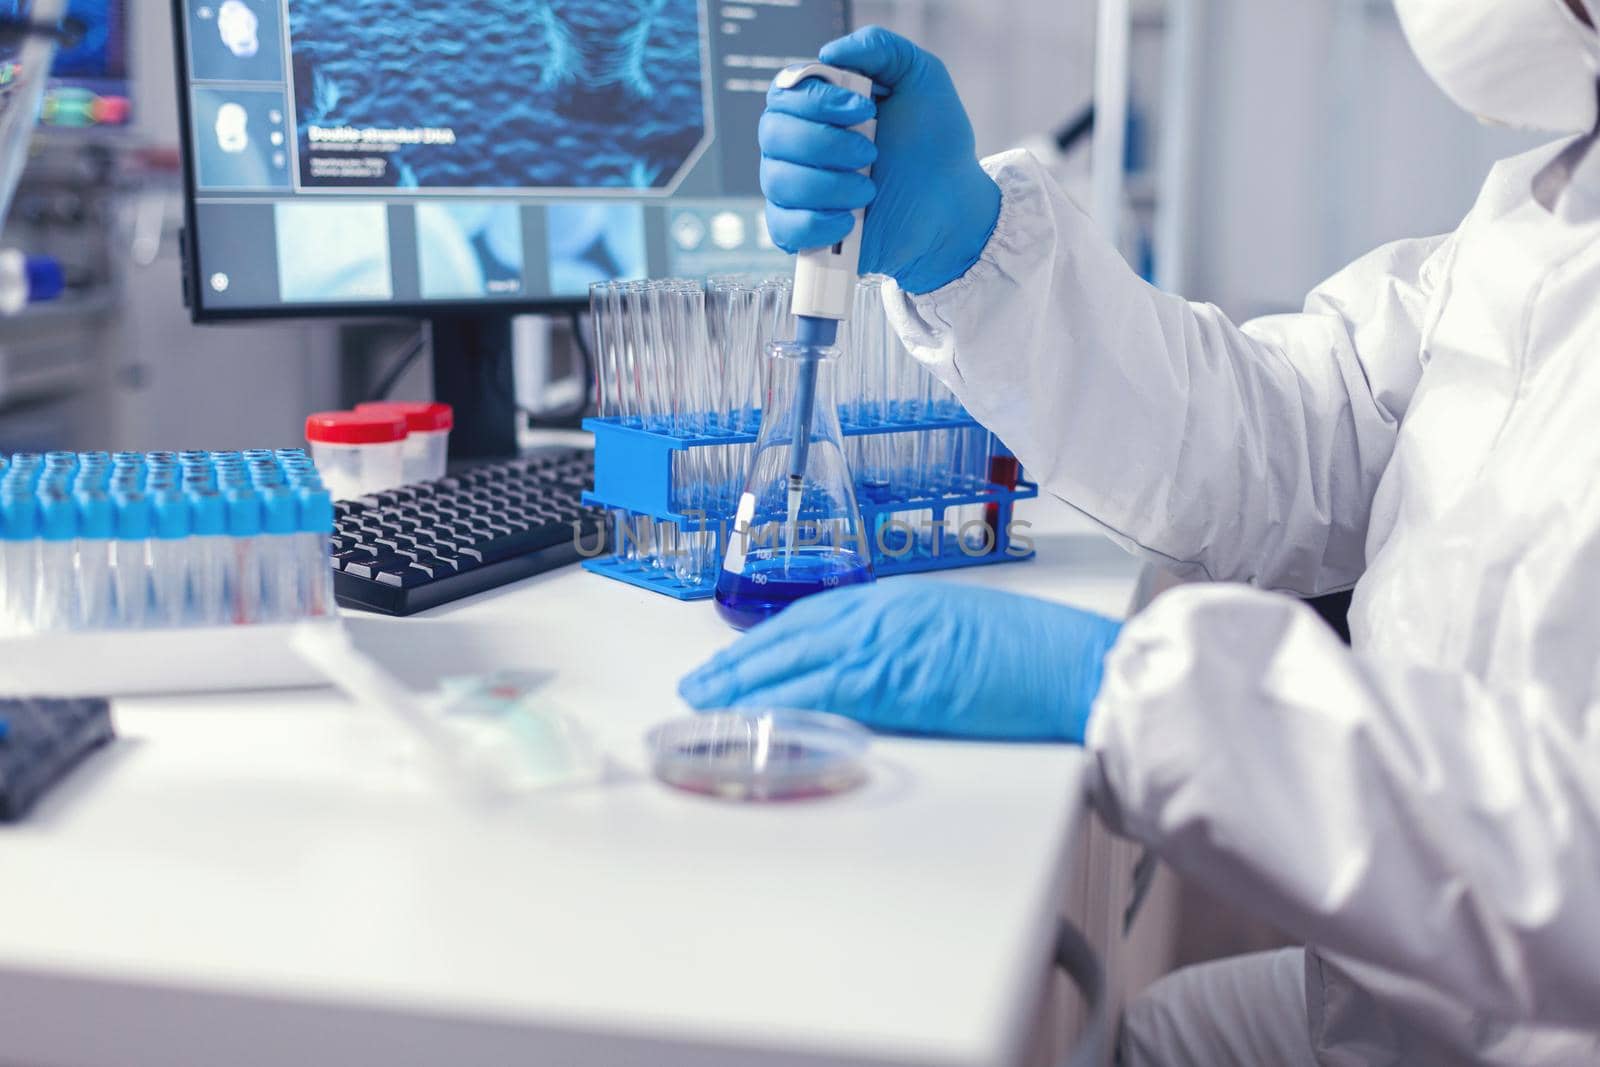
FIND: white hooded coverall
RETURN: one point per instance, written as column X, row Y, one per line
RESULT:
column 1423, row 810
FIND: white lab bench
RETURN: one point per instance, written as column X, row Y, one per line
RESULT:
column 265, row 879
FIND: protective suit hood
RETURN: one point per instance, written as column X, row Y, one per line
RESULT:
column 1526, row 63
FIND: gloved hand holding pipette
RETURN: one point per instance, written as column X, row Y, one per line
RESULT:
column 920, row 657
column 932, row 205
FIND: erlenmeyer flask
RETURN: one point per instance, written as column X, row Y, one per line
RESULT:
column 773, row 559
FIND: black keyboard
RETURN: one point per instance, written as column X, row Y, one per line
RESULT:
column 412, row 548
column 42, row 740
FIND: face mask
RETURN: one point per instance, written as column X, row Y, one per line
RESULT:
column 1527, row 63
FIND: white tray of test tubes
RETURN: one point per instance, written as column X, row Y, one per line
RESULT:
column 194, row 659
column 161, row 572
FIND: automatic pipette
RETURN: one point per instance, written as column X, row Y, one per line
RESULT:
column 824, row 287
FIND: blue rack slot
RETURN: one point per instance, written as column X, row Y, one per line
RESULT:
column 633, row 465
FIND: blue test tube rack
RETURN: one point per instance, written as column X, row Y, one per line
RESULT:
column 633, row 469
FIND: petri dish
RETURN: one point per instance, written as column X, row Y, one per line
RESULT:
column 760, row 755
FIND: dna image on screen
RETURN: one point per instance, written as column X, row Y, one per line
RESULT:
column 524, row 95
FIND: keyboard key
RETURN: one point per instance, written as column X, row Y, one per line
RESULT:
column 408, row 577
column 374, row 565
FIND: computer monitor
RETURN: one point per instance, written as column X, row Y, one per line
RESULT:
column 447, row 158
column 88, row 87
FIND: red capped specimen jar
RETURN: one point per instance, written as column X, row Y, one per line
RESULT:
column 357, row 452
column 428, row 435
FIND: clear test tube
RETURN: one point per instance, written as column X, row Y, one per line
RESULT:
column 169, row 558
column 867, row 338
column 311, row 551
column 736, row 315
column 668, row 388
column 629, row 389
column 683, row 381
column 638, row 302
column 96, row 527
column 607, row 380
column 280, row 564
column 638, row 333
column 55, row 588
column 613, row 395
column 212, row 556
column 244, row 573
column 130, row 573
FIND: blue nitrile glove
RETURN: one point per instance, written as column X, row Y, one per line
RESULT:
column 932, row 206
column 920, row 657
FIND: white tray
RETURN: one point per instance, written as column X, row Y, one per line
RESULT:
column 114, row 663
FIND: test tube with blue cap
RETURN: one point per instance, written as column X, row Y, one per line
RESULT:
column 311, row 550
column 244, row 574
column 212, row 557
column 130, row 554
column 55, row 585
column 96, row 530
column 280, row 522
column 19, row 540
column 169, row 556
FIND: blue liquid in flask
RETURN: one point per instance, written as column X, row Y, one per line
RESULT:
column 772, row 580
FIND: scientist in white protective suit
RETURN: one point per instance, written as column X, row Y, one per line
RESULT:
column 1421, row 810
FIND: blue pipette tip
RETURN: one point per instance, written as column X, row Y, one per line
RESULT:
column 811, row 333
column 5, row 730
column 814, row 332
